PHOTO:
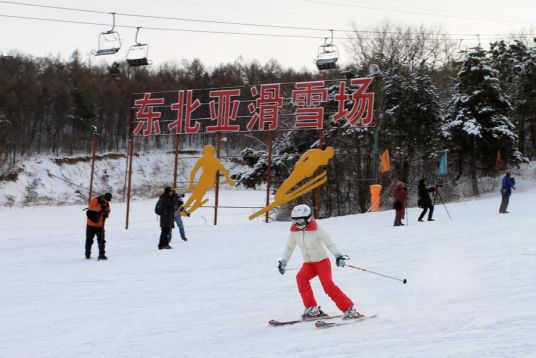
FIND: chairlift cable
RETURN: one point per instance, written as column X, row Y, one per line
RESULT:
column 234, row 23
column 220, row 32
column 416, row 12
column 161, row 28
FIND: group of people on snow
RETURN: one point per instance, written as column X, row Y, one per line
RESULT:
column 425, row 202
column 170, row 208
column 305, row 232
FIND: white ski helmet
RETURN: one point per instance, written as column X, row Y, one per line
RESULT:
column 301, row 215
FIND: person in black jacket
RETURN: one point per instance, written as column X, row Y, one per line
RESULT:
column 167, row 215
column 425, row 202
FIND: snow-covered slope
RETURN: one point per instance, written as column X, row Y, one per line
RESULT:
column 471, row 285
column 64, row 180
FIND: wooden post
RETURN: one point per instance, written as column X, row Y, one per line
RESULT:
column 126, row 169
column 176, row 160
column 319, row 189
column 217, row 188
column 94, row 154
column 131, row 157
column 269, row 172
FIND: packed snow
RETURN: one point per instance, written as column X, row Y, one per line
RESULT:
column 470, row 293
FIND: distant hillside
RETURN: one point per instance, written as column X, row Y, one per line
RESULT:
column 65, row 180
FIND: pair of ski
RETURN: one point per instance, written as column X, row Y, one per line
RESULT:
column 321, row 321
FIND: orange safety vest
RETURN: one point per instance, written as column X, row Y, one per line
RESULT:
column 96, row 206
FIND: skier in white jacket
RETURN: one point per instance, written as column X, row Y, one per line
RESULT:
column 312, row 241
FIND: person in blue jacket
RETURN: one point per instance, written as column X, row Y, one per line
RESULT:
column 508, row 183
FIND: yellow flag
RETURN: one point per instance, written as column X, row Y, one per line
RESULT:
column 498, row 160
column 385, row 163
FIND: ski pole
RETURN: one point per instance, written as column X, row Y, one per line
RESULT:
column 404, row 281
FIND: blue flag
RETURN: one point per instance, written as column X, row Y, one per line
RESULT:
column 442, row 169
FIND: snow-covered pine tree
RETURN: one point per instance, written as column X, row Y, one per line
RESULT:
column 524, row 95
column 477, row 120
column 411, row 121
column 516, row 64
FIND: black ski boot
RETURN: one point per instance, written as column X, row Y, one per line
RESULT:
column 102, row 257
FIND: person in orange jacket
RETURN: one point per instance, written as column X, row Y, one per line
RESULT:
column 97, row 213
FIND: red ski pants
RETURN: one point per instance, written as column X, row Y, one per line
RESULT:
column 322, row 269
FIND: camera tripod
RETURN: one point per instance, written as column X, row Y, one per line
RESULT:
column 438, row 194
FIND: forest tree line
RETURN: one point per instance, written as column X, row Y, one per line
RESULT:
column 430, row 98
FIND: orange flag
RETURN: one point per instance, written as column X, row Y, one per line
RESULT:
column 498, row 160
column 385, row 163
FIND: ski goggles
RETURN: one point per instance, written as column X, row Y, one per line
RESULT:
column 300, row 221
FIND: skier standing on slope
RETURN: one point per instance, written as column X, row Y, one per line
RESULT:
column 312, row 241
column 508, row 183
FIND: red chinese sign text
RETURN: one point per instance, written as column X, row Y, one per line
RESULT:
column 259, row 108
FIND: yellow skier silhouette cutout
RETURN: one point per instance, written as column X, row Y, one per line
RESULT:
column 305, row 167
column 210, row 166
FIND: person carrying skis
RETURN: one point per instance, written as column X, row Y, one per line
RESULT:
column 400, row 200
column 312, row 240
column 508, row 183
column 97, row 212
column 425, row 202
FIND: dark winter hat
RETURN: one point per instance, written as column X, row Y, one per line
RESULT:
column 108, row 196
column 167, row 190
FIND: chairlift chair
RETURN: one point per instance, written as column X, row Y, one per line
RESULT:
column 137, row 53
column 109, row 42
column 327, row 56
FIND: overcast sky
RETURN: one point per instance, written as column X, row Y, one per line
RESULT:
column 464, row 17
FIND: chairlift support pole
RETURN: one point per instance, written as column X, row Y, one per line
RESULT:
column 94, row 134
column 113, row 22
column 269, row 173
column 131, row 157
column 136, row 39
column 217, row 188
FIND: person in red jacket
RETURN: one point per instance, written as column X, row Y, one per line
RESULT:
column 400, row 201
column 97, row 213
column 313, row 241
